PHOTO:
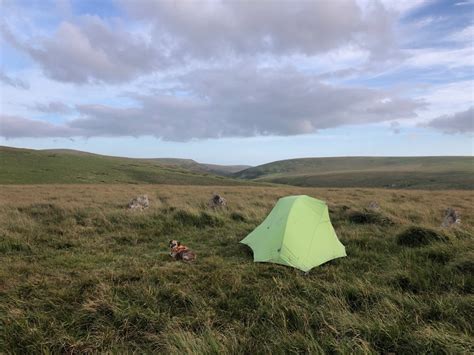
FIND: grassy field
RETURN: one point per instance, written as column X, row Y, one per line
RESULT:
column 382, row 172
column 27, row 166
column 80, row 273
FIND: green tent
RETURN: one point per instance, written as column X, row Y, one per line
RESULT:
column 297, row 233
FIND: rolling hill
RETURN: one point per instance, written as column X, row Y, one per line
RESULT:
column 27, row 166
column 189, row 164
column 393, row 172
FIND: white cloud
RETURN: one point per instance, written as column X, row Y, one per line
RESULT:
column 464, row 3
column 402, row 6
column 465, row 35
column 15, row 82
column 444, row 99
column 452, row 58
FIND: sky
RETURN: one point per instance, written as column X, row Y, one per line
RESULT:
column 238, row 82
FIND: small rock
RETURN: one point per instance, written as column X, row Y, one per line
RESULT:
column 451, row 216
column 139, row 202
column 217, row 201
column 373, row 205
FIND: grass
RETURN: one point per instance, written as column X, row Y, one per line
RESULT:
column 382, row 172
column 26, row 166
column 79, row 273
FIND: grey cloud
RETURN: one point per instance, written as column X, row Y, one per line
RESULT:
column 15, row 127
column 52, row 107
column 182, row 32
column 248, row 102
column 90, row 50
column 459, row 122
column 207, row 28
column 15, row 82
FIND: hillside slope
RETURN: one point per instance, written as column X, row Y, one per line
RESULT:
column 192, row 165
column 397, row 172
column 26, row 166
column 188, row 164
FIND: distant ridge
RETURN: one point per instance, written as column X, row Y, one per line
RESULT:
column 392, row 172
column 201, row 167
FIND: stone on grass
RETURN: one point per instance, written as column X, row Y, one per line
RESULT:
column 451, row 216
column 139, row 203
column 217, row 201
column 373, row 205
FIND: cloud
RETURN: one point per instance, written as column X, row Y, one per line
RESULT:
column 90, row 50
column 14, row 127
column 395, row 127
column 459, row 122
column 15, row 82
column 173, row 34
column 207, row 28
column 52, row 107
column 244, row 103
column 464, row 3
column 465, row 35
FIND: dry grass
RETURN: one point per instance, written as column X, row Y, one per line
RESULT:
column 79, row 273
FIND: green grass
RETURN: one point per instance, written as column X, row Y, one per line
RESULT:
column 80, row 273
column 26, row 166
column 189, row 164
column 392, row 172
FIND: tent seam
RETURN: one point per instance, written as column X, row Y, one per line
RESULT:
column 286, row 226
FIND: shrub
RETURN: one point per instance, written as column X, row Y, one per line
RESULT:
column 465, row 266
column 202, row 220
column 439, row 256
column 406, row 284
column 237, row 217
column 419, row 236
column 357, row 300
column 10, row 246
column 369, row 217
